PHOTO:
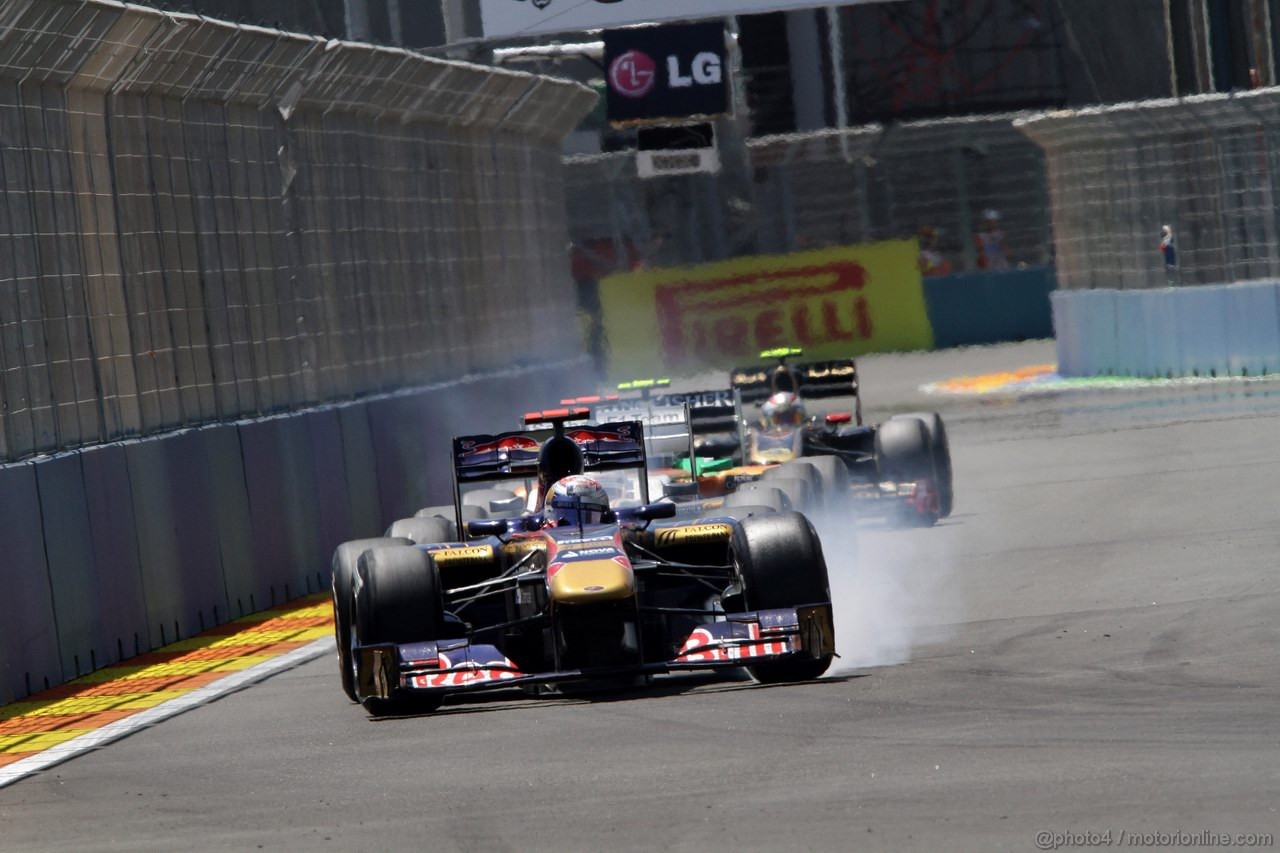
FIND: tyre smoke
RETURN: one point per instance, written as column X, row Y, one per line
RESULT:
column 890, row 590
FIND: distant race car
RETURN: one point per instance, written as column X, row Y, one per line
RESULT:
column 904, row 462
column 785, row 458
column 575, row 578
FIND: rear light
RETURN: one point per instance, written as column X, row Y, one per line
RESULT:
column 839, row 418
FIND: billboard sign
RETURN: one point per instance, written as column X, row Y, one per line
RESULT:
column 511, row 18
column 666, row 72
column 832, row 302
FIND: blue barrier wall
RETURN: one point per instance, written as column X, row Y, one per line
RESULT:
column 111, row 551
column 990, row 307
column 1206, row 330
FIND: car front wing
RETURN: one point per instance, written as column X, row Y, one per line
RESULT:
column 459, row 666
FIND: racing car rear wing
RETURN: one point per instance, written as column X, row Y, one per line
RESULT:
column 811, row 380
column 553, row 417
column 495, row 457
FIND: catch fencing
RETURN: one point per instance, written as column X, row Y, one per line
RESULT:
column 202, row 221
column 826, row 188
column 1207, row 166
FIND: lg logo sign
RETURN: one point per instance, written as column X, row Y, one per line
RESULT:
column 666, row 72
column 634, row 73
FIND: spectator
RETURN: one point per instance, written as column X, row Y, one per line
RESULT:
column 932, row 261
column 990, row 240
column 1169, row 253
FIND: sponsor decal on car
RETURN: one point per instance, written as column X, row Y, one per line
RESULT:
column 471, row 555
column 518, row 546
column 492, row 666
column 586, row 553
column 693, row 533
column 725, row 642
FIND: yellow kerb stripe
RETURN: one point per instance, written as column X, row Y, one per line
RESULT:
column 12, row 744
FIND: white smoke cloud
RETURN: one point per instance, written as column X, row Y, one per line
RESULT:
column 891, row 590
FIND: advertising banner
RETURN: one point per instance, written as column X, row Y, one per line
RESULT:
column 507, row 18
column 666, row 72
column 831, row 302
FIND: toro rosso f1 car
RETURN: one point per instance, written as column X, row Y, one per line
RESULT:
column 589, row 584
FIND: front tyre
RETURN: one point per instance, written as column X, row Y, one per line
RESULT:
column 780, row 565
column 344, row 569
column 398, row 599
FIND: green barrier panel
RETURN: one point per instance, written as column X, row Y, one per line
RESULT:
column 990, row 307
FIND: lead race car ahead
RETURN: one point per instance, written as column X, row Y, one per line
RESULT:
column 903, row 464
column 579, row 588
column 899, row 469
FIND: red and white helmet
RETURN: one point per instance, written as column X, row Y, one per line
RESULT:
column 576, row 500
column 783, row 409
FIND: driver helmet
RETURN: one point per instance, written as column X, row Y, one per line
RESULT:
column 576, row 500
column 783, row 409
column 559, row 457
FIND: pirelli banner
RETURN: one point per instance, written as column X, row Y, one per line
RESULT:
column 832, row 302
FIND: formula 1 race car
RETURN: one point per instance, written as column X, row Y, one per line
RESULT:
column 786, row 459
column 589, row 584
column 904, row 463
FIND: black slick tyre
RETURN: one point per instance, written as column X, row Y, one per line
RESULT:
column 800, row 492
column 424, row 531
column 780, row 565
column 758, row 494
column 344, row 569
column 800, row 469
column 399, row 599
column 485, row 498
column 903, row 455
column 941, row 448
column 739, row 512
column 835, row 480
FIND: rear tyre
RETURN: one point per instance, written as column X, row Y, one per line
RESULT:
column 424, row 531
column 739, row 512
column 941, row 449
column 799, row 492
column 801, row 470
column 758, row 494
column 344, row 569
column 903, row 454
column 496, row 502
column 835, row 480
column 399, row 600
column 780, row 565
column 469, row 513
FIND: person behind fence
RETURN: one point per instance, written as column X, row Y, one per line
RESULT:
column 990, row 240
column 932, row 260
column 1169, row 252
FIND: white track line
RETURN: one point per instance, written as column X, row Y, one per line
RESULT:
column 145, row 719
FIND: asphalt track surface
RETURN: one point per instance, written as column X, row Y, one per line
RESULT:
column 1094, row 647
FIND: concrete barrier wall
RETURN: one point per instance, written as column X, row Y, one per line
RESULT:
column 1209, row 330
column 111, row 551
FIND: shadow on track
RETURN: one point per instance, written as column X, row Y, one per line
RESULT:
column 666, row 688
